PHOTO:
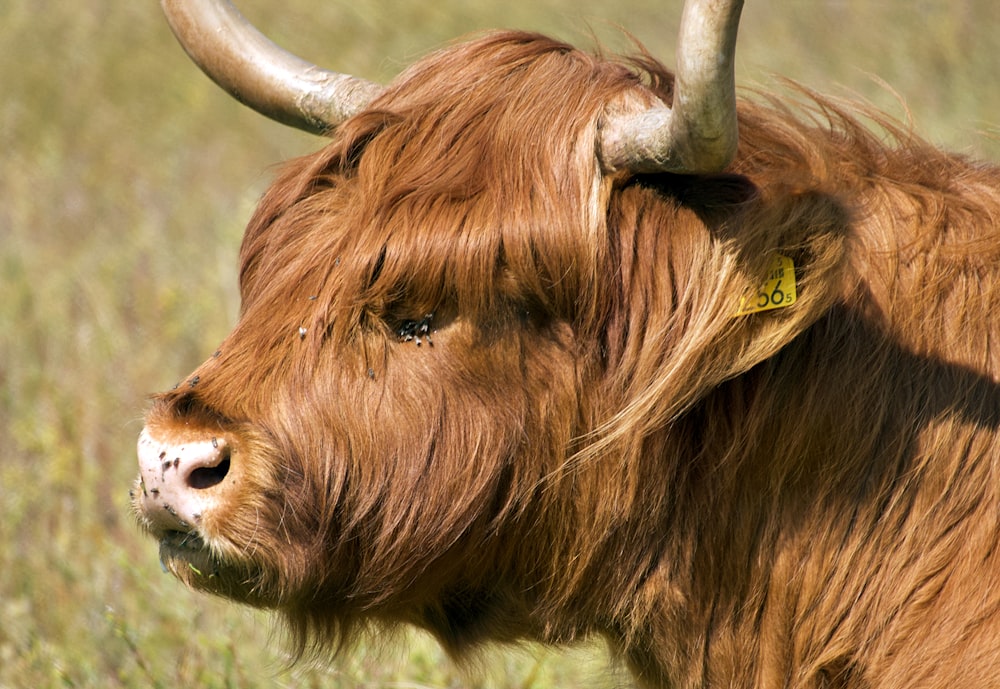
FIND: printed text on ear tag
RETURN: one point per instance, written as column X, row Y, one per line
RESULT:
column 776, row 292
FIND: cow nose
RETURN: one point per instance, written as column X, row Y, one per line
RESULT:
column 178, row 479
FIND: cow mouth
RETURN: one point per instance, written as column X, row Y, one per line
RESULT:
column 186, row 555
column 196, row 563
column 182, row 540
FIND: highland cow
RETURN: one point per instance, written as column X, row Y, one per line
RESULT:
column 536, row 348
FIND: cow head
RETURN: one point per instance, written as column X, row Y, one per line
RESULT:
column 448, row 314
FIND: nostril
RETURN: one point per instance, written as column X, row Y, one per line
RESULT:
column 207, row 477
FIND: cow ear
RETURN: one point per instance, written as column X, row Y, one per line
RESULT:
column 673, row 355
column 794, row 245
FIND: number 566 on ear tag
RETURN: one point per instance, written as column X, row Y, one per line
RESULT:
column 776, row 292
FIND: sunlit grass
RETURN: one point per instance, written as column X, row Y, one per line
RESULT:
column 125, row 181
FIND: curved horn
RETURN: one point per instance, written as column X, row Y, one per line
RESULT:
column 699, row 133
column 261, row 75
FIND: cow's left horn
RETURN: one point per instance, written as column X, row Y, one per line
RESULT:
column 698, row 134
column 261, row 75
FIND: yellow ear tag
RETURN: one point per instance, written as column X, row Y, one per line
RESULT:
column 777, row 292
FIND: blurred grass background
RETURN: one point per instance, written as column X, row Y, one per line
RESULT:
column 125, row 181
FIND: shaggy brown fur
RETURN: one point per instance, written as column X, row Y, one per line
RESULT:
column 591, row 442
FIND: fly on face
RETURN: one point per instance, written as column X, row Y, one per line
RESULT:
column 416, row 331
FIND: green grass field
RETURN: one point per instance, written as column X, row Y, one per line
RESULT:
column 125, row 180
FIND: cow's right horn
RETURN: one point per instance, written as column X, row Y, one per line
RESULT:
column 698, row 134
column 261, row 75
